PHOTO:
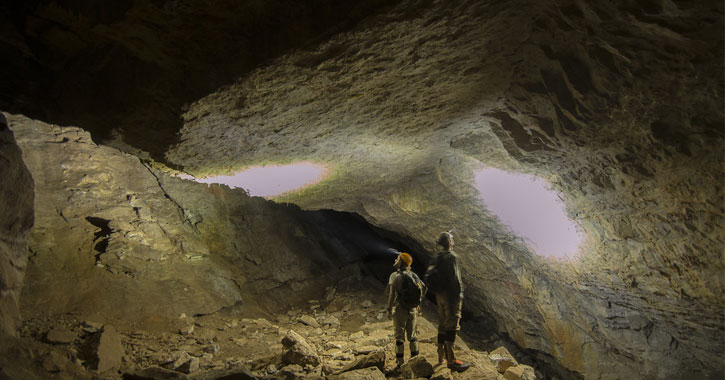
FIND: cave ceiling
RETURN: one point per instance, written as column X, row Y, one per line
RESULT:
column 619, row 105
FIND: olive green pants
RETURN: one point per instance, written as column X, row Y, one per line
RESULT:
column 405, row 323
column 449, row 313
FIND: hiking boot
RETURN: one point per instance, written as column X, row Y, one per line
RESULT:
column 458, row 366
column 441, row 354
column 395, row 371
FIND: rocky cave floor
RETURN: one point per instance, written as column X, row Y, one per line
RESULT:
column 347, row 331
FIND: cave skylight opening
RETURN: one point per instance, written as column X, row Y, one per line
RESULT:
column 272, row 180
column 532, row 210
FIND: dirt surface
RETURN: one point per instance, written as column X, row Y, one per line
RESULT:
column 343, row 327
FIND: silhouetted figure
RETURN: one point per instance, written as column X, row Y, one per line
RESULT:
column 443, row 278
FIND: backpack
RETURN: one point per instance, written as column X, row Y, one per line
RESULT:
column 433, row 278
column 411, row 291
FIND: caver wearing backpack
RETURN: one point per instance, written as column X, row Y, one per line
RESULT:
column 405, row 292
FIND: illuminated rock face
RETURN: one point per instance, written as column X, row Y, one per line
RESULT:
column 16, row 219
column 120, row 241
column 617, row 104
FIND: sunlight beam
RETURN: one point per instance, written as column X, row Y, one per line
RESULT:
column 273, row 180
column 532, row 211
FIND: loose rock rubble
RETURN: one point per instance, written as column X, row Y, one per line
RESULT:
column 337, row 339
column 417, row 367
column 298, row 351
column 520, row 372
column 502, row 359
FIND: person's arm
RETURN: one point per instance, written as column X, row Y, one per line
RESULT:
column 391, row 296
column 457, row 272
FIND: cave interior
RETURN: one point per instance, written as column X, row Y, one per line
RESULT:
column 116, row 264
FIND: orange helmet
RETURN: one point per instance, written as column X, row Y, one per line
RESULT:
column 406, row 257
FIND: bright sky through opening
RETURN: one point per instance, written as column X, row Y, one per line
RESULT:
column 531, row 209
column 270, row 181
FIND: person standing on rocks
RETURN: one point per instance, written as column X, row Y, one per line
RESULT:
column 443, row 278
column 405, row 291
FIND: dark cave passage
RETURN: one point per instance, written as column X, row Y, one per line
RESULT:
column 350, row 238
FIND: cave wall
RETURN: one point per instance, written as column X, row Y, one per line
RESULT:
column 124, row 69
column 16, row 210
column 618, row 105
column 114, row 230
column 630, row 96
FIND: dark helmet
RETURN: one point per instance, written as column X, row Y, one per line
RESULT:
column 444, row 240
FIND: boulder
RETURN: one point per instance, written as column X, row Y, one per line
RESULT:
column 177, row 359
column 62, row 336
column 371, row 373
column 374, row 359
column 344, row 356
column 186, row 319
column 53, row 362
column 153, row 372
column 329, row 293
column 298, row 351
column 442, row 373
column 187, row 330
column 334, row 345
column 377, row 339
column 502, row 359
column 272, row 369
column 205, row 335
column 365, row 350
column 110, row 350
column 330, row 320
column 91, row 327
column 291, row 372
column 336, row 304
column 417, row 367
column 241, row 342
column 520, row 372
column 189, row 366
column 264, row 323
column 309, row 321
column 213, row 349
column 232, row 373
